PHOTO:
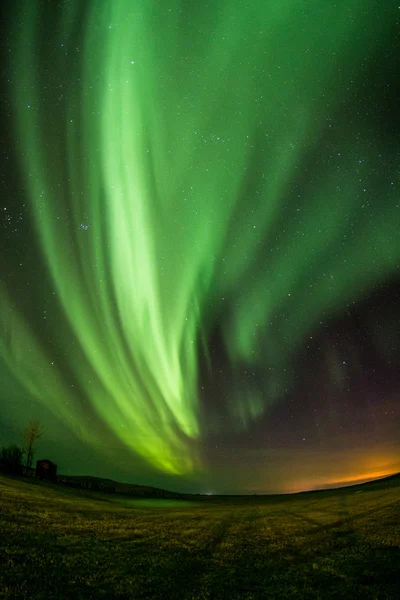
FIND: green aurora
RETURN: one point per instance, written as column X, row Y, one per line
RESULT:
column 175, row 159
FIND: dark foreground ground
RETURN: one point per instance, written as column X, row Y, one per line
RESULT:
column 58, row 543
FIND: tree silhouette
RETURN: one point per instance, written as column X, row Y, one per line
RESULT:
column 11, row 459
column 32, row 432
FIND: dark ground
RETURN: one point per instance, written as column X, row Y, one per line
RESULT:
column 61, row 543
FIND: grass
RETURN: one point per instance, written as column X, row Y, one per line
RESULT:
column 56, row 542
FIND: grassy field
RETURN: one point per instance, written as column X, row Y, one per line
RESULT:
column 60, row 543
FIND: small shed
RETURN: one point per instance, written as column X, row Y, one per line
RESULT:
column 46, row 469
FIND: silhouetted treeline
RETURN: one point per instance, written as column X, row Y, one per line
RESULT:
column 11, row 458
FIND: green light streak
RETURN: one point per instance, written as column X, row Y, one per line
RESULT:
column 178, row 147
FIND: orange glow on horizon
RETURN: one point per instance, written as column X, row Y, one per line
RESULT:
column 324, row 470
column 361, row 469
column 312, row 485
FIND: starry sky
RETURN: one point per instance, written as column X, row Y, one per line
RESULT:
column 200, row 240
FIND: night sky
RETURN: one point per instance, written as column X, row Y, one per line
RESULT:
column 200, row 239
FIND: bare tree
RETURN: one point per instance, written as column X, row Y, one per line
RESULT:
column 32, row 432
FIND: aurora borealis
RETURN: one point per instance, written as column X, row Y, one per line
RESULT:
column 200, row 239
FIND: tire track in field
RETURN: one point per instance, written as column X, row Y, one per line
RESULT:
column 222, row 528
column 208, row 579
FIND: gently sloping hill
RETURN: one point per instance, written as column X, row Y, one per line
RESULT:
column 55, row 543
column 87, row 482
